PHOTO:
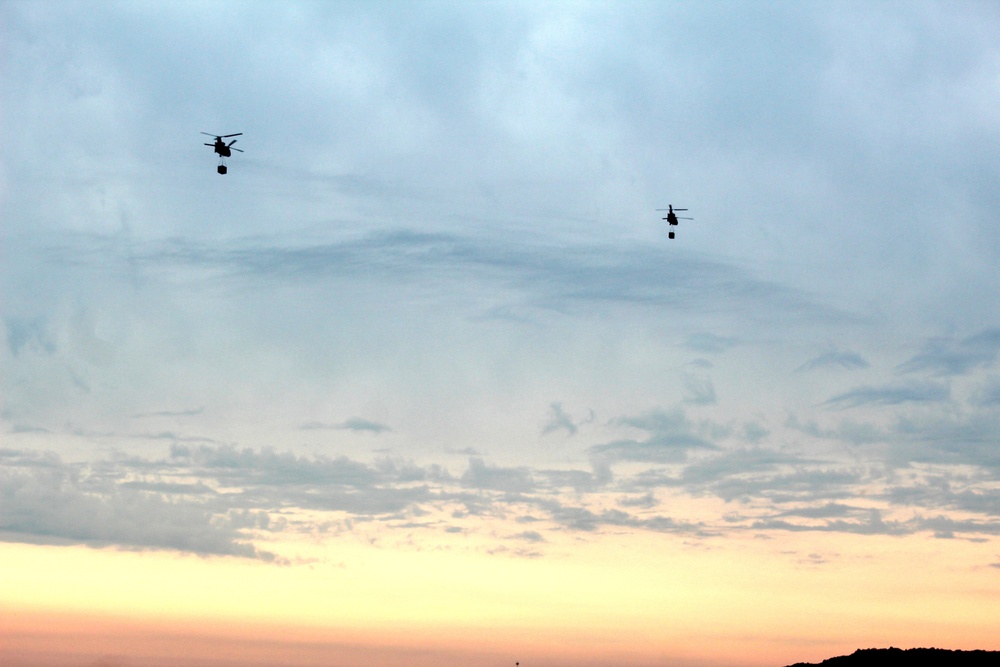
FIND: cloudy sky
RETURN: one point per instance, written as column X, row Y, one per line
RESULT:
column 422, row 379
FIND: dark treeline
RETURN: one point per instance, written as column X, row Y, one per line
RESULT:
column 871, row 657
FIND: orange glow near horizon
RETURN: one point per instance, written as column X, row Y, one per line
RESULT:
column 741, row 604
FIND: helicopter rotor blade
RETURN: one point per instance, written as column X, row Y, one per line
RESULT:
column 226, row 136
column 211, row 135
column 237, row 149
column 232, row 142
column 210, row 144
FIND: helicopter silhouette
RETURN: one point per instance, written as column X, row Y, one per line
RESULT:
column 223, row 149
column 672, row 217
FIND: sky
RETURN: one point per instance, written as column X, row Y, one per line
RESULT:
column 422, row 379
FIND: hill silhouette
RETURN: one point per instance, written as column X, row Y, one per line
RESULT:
column 872, row 657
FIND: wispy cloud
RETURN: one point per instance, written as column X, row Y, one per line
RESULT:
column 28, row 333
column 950, row 356
column 192, row 412
column 890, row 395
column 705, row 342
column 699, row 391
column 353, row 424
column 558, row 279
column 988, row 395
column 480, row 475
column 836, row 358
column 560, row 420
column 670, row 437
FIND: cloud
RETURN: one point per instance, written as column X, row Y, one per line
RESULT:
column 754, row 432
column 529, row 536
column 58, row 502
column 761, row 474
column 28, row 334
column 870, row 523
column 578, row 480
column 559, row 419
column 827, row 511
column 839, row 359
column 846, row 430
column 356, row 424
column 671, row 437
column 586, row 520
column 949, row 493
column 706, row 343
column 193, row 412
column 480, row 475
column 567, row 278
column 699, row 391
column 956, row 438
column 645, row 501
column 890, row 395
column 989, row 394
column 948, row 356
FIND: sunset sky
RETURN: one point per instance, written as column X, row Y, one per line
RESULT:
column 422, row 381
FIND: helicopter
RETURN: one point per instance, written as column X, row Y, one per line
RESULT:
column 672, row 217
column 223, row 149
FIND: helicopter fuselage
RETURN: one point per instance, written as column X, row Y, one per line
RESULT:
column 222, row 149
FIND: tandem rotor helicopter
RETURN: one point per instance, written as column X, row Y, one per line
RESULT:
column 672, row 217
column 223, row 149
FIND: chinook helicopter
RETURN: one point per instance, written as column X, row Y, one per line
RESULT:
column 672, row 217
column 223, row 149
